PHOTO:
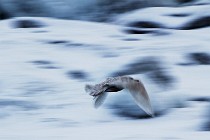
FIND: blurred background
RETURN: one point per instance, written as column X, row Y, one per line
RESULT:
column 49, row 51
column 95, row 10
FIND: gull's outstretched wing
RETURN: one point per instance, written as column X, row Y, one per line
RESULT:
column 138, row 92
column 99, row 99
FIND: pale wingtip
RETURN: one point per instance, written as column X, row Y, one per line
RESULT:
column 150, row 113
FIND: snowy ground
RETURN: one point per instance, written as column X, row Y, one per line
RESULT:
column 44, row 70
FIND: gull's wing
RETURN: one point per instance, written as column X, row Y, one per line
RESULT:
column 99, row 99
column 98, row 92
column 138, row 92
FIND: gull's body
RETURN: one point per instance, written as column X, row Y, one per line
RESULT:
column 115, row 84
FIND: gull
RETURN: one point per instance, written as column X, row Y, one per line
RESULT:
column 115, row 84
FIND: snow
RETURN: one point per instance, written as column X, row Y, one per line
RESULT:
column 163, row 15
column 39, row 102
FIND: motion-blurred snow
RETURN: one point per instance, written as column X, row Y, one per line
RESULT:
column 46, row 62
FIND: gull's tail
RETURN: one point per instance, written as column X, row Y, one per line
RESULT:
column 89, row 88
column 99, row 95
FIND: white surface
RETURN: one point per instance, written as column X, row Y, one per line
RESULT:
column 66, row 112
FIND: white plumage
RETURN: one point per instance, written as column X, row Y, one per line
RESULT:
column 115, row 84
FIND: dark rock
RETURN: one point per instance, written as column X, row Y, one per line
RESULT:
column 151, row 66
column 161, row 76
column 184, row 1
column 3, row 14
column 145, row 31
column 206, row 126
column 45, row 64
column 160, row 33
column 133, row 112
column 200, row 58
column 116, row 6
column 138, row 31
column 186, row 64
column 179, row 15
column 156, row 114
column 78, row 75
column 145, row 24
column 41, row 62
column 126, row 114
column 27, row 23
column 25, row 105
column 200, row 22
column 49, row 67
column 67, row 44
column 139, row 66
column 76, row 45
column 131, row 39
column 41, row 31
column 200, row 99
column 58, row 42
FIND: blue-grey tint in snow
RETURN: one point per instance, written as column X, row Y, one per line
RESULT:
column 51, row 104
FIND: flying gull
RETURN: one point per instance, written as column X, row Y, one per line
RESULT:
column 115, row 84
